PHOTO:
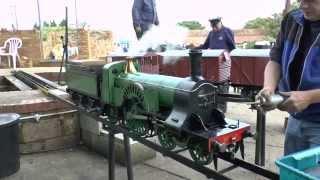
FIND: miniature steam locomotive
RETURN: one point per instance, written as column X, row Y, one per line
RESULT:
column 180, row 111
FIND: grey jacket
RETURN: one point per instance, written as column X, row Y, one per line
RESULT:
column 144, row 13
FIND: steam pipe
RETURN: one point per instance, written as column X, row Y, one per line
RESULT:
column 37, row 117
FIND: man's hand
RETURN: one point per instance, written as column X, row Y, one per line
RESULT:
column 297, row 101
column 137, row 29
column 156, row 23
column 265, row 92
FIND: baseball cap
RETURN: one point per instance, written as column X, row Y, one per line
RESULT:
column 215, row 20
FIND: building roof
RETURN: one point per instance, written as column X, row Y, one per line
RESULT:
column 198, row 37
column 249, row 35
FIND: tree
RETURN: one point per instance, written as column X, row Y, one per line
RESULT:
column 53, row 24
column 294, row 5
column 83, row 25
column 191, row 25
column 36, row 26
column 45, row 24
column 62, row 23
column 270, row 25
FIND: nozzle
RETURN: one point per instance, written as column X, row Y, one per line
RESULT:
column 270, row 102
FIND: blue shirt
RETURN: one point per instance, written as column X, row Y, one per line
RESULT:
column 285, row 51
column 222, row 39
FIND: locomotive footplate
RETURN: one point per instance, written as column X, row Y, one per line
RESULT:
column 206, row 145
column 233, row 131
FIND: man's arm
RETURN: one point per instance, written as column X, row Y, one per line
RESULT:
column 272, row 72
column 136, row 12
column 314, row 96
column 205, row 45
column 271, row 76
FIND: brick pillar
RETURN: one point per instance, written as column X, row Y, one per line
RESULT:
column 84, row 44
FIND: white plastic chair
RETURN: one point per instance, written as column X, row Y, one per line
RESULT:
column 12, row 45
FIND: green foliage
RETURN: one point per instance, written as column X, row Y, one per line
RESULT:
column 270, row 25
column 46, row 30
column 62, row 23
column 191, row 25
column 57, row 29
column 294, row 5
column 250, row 45
column 45, row 24
column 53, row 23
column 36, row 26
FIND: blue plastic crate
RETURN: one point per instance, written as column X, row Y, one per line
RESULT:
column 304, row 165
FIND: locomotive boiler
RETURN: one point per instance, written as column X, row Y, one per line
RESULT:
column 179, row 111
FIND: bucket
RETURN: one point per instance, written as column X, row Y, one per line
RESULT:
column 9, row 144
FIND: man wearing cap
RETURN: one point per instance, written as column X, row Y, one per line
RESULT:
column 220, row 37
column 144, row 15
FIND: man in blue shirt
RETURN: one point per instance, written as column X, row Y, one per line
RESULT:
column 144, row 15
column 220, row 37
column 295, row 70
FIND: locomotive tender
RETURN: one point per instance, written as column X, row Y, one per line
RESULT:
column 180, row 111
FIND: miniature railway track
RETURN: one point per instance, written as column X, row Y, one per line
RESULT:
column 35, row 81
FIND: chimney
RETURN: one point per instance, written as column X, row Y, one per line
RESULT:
column 195, row 56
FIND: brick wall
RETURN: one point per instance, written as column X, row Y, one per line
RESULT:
column 91, row 44
column 196, row 37
column 30, row 51
column 101, row 44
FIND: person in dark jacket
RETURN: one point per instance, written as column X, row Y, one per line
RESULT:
column 294, row 69
column 220, row 37
column 144, row 15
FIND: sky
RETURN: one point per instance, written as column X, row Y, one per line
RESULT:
column 115, row 15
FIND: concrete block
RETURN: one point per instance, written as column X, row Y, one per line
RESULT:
column 45, row 145
column 31, row 132
column 49, row 127
column 70, row 124
column 89, row 124
column 99, row 143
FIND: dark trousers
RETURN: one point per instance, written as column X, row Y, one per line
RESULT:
column 301, row 135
